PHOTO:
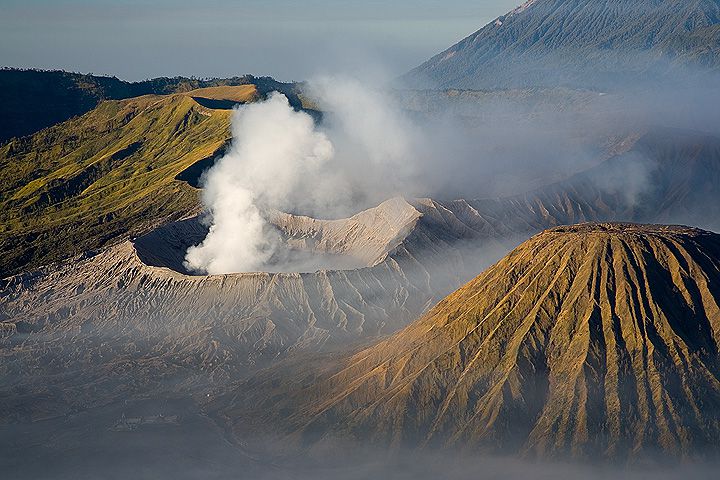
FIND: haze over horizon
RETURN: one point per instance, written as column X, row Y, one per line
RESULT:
column 136, row 40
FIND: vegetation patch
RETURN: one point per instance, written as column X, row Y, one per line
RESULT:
column 103, row 176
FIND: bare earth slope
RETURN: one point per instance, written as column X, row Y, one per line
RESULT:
column 125, row 304
column 597, row 340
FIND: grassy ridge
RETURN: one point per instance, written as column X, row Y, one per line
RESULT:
column 31, row 100
column 111, row 172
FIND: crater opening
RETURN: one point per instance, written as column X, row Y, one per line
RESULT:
column 308, row 244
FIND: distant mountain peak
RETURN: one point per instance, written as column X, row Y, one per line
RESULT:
column 519, row 9
column 581, row 43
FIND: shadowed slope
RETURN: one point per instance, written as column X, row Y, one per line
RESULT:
column 598, row 340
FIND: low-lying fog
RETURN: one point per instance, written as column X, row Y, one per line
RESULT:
column 195, row 448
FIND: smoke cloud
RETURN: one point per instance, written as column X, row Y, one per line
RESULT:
column 280, row 160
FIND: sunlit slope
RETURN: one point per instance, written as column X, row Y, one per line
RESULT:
column 110, row 172
column 241, row 94
column 598, row 340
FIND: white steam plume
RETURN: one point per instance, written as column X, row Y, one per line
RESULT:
column 378, row 147
column 277, row 160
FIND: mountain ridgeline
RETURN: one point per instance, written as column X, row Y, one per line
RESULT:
column 31, row 100
column 589, row 43
column 593, row 341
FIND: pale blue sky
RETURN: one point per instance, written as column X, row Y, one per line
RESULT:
column 290, row 40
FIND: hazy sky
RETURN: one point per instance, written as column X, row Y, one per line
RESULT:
column 291, row 40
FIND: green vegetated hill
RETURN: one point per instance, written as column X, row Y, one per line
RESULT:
column 31, row 100
column 595, row 340
column 77, row 185
column 582, row 42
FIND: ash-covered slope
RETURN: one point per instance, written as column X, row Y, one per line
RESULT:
column 125, row 310
column 310, row 244
column 582, row 42
column 596, row 340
